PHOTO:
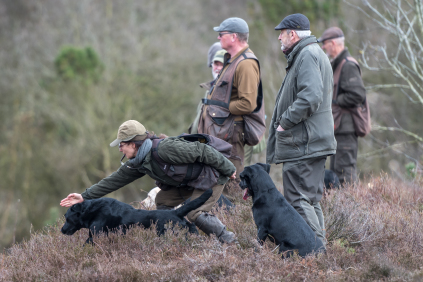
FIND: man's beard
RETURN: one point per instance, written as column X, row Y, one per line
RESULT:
column 285, row 47
column 215, row 74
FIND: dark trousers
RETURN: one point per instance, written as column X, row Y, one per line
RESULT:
column 237, row 152
column 344, row 162
column 303, row 189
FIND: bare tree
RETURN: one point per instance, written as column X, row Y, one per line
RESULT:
column 400, row 54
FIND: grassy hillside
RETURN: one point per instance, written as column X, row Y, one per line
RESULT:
column 375, row 233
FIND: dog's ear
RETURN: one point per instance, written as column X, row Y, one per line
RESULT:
column 76, row 208
column 266, row 167
column 80, row 208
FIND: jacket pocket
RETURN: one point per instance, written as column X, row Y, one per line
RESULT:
column 222, row 122
column 286, row 148
column 206, row 180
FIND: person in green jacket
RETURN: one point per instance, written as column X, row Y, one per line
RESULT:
column 138, row 146
column 301, row 132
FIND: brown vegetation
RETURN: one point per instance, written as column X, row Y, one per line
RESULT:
column 374, row 232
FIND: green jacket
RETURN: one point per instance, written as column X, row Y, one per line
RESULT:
column 303, row 107
column 173, row 151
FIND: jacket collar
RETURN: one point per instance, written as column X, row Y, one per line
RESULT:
column 341, row 56
column 297, row 49
column 227, row 59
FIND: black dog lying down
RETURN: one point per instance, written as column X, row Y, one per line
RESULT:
column 274, row 216
column 106, row 214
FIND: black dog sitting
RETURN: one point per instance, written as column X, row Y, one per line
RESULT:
column 106, row 214
column 331, row 179
column 274, row 216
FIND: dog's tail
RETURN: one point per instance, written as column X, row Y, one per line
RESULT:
column 194, row 204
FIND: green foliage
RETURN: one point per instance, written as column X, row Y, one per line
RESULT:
column 411, row 169
column 314, row 10
column 74, row 63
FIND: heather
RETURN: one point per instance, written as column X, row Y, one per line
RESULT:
column 374, row 233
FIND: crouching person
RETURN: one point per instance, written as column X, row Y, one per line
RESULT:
column 182, row 168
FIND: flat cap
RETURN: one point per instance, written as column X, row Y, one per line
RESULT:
column 233, row 25
column 331, row 33
column 294, row 21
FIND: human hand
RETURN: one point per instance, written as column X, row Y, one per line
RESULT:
column 71, row 200
column 280, row 128
column 233, row 176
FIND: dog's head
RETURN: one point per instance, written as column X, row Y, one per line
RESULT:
column 74, row 220
column 249, row 175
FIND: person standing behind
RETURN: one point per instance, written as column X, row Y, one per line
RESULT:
column 301, row 130
column 349, row 92
column 216, row 65
column 235, row 93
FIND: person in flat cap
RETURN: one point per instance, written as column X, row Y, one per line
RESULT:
column 348, row 92
column 236, row 94
column 150, row 154
column 301, row 130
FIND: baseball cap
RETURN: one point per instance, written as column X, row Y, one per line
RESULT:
column 128, row 131
column 294, row 21
column 212, row 51
column 233, row 25
column 331, row 33
column 219, row 56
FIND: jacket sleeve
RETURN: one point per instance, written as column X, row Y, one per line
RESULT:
column 177, row 151
column 246, row 81
column 351, row 87
column 113, row 182
column 309, row 85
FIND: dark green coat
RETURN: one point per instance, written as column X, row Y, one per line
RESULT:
column 351, row 91
column 173, row 151
column 303, row 107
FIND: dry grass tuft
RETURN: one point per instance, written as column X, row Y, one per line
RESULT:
column 374, row 232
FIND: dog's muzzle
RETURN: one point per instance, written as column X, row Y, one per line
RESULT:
column 244, row 186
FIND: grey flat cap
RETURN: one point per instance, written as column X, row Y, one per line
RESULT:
column 295, row 22
column 233, row 25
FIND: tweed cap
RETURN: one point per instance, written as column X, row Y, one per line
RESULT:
column 233, row 25
column 331, row 33
column 295, row 22
column 128, row 131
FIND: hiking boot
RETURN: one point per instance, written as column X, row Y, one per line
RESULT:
column 210, row 224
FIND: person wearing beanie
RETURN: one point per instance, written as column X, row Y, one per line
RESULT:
column 349, row 92
column 150, row 155
column 301, row 133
